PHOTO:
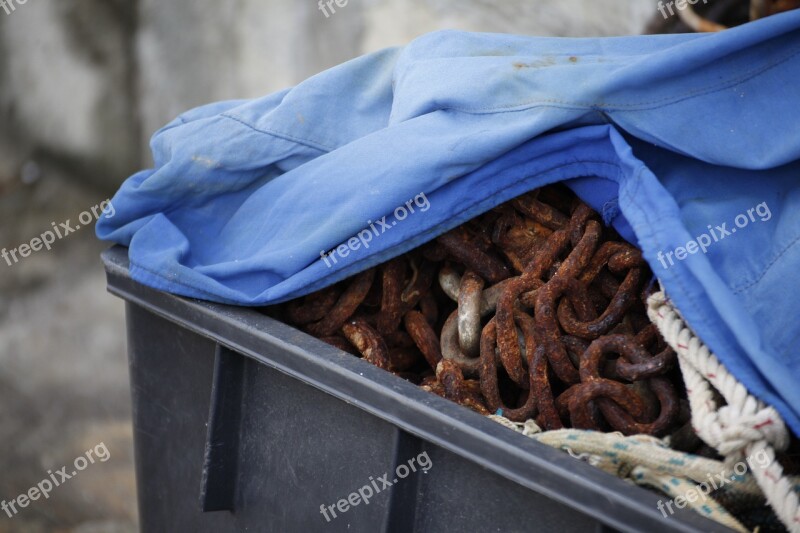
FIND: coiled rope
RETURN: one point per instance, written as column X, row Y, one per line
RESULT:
column 744, row 426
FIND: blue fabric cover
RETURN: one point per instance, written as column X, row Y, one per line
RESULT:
column 664, row 135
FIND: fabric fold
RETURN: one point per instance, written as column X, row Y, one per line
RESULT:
column 669, row 137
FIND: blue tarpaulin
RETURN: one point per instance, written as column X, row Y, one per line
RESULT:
column 688, row 144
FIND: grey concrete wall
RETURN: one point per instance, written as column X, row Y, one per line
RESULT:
column 66, row 92
column 84, row 83
column 191, row 52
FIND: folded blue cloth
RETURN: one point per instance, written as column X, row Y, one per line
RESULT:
column 688, row 144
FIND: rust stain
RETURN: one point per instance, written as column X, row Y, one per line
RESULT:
column 540, row 63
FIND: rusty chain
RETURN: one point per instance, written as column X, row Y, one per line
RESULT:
column 532, row 310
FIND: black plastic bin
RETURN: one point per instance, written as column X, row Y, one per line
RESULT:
column 242, row 423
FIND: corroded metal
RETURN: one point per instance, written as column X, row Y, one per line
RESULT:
column 533, row 310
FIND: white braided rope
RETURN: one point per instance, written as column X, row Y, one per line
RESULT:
column 648, row 461
column 745, row 427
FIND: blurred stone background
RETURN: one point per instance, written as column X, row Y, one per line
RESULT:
column 83, row 84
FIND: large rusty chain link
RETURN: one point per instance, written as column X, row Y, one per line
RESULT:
column 533, row 310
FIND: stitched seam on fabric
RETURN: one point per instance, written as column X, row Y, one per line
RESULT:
column 654, row 236
column 544, row 103
column 366, row 259
column 285, row 136
column 214, row 297
column 165, row 129
column 740, row 289
column 435, row 230
column 692, row 303
column 688, row 295
column 566, row 165
column 655, row 104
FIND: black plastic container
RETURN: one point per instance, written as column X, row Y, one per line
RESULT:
column 244, row 423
